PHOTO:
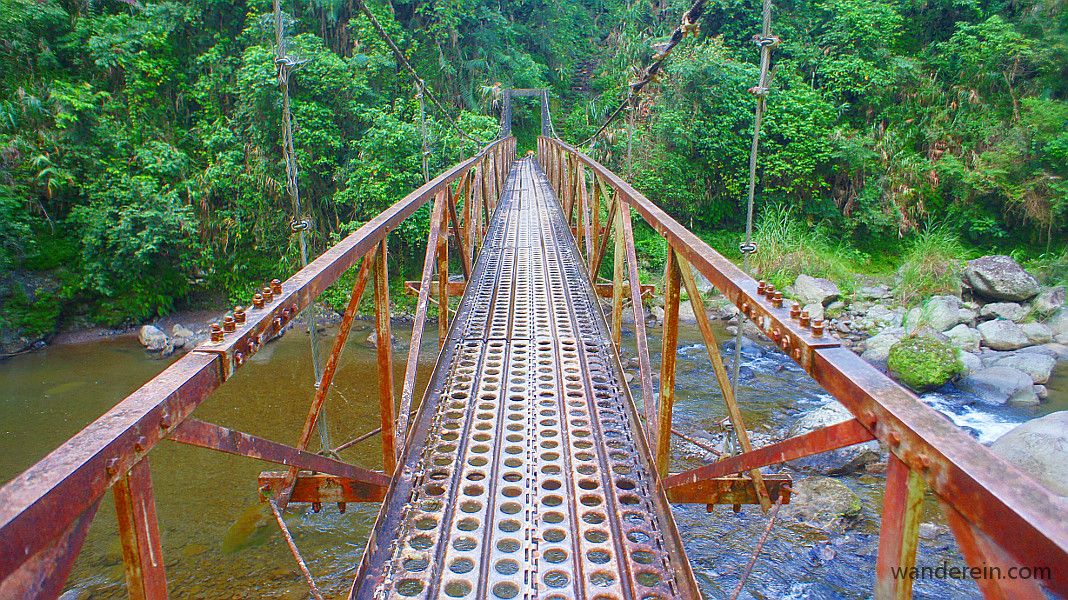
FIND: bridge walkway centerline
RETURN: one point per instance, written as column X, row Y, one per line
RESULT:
column 526, row 473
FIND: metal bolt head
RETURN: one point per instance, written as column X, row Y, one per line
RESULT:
column 239, row 314
column 257, row 301
column 776, row 300
column 795, row 310
column 165, row 421
column 228, row 324
column 276, row 286
column 216, row 332
column 761, row 287
column 141, row 443
column 112, row 466
column 894, row 438
column 817, row 327
column 769, row 290
column 268, row 295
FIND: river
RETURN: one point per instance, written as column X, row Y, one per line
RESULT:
column 219, row 543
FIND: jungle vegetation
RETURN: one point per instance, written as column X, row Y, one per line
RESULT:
column 141, row 169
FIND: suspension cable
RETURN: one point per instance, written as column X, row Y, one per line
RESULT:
column 766, row 42
column 688, row 25
column 415, row 76
column 299, row 225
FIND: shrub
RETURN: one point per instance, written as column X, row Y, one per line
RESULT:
column 931, row 265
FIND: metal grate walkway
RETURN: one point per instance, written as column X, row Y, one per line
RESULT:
column 525, row 475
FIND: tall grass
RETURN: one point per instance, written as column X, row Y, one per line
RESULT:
column 788, row 246
column 932, row 264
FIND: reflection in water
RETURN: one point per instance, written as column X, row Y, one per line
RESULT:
column 219, row 541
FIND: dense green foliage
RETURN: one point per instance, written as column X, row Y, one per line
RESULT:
column 140, row 162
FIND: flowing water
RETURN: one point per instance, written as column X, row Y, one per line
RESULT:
column 220, row 543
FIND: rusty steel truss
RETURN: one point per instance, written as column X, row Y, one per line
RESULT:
column 527, row 466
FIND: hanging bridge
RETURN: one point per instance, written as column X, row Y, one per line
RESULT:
column 525, row 469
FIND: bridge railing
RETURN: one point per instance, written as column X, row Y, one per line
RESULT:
column 999, row 515
column 45, row 512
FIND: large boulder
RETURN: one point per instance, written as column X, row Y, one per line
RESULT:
column 964, row 337
column 822, row 502
column 840, row 461
column 1058, row 324
column 939, row 313
column 877, row 348
column 152, row 338
column 815, row 311
column 815, row 290
column 1003, row 310
column 1000, row 334
column 1048, row 300
column 971, row 362
column 998, row 385
column 1040, row 449
column 999, row 277
column 1038, row 366
column 1037, row 333
column 923, row 363
column 880, row 317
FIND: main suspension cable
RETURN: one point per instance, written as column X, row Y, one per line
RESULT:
column 299, row 225
column 766, row 42
column 688, row 25
column 415, row 76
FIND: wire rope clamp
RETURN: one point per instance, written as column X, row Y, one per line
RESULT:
column 299, row 225
column 747, row 247
column 767, row 41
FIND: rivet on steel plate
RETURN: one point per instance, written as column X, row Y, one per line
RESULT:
column 797, row 354
column 925, row 462
column 239, row 359
column 112, row 466
column 893, row 438
column 141, row 443
column 745, row 308
column 216, row 332
column 165, row 420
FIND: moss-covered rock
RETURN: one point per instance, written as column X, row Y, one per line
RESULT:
column 924, row 362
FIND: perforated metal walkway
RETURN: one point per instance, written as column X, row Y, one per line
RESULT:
column 525, row 475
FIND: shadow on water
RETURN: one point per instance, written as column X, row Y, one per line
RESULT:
column 220, row 542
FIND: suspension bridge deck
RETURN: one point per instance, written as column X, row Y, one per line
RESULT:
column 526, row 473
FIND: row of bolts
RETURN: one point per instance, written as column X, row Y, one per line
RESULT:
column 801, row 316
column 259, row 301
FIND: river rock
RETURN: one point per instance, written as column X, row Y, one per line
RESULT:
column 1037, row 366
column 815, row 290
column 686, row 314
column 1000, row 334
column 1040, row 449
column 1003, row 310
column 998, row 385
column 1058, row 323
column 880, row 317
column 1042, row 392
column 874, row 292
column 1037, row 333
column 964, row 337
column 703, row 284
column 971, row 362
column 999, row 277
column 152, row 338
column 840, row 461
column 1048, row 300
column 923, row 362
column 1057, row 351
column 822, row 502
column 939, row 313
column 967, row 316
column 877, row 348
column 815, row 311
column 658, row 314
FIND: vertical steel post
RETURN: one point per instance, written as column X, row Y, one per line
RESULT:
column 617, row 275
column 142, row 552
column 899, row 533
column 384, row 333
column 443, row 273
column 666, row 405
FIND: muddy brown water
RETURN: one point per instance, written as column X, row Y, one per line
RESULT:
column 219, row 542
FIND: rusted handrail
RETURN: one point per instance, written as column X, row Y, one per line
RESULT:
column 44, row 512
column 1000, row 514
